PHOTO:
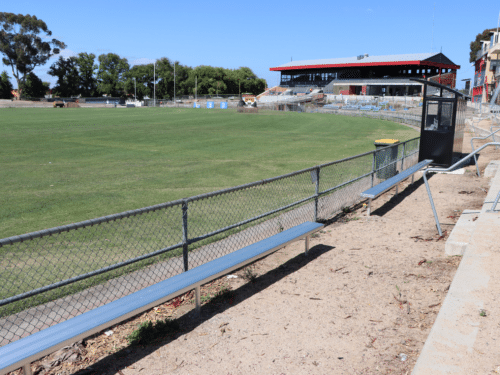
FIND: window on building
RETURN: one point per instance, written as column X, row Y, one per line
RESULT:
column 409, row 71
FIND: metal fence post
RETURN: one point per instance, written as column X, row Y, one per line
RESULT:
column 185, row 234
column 316, row 198
column 373, row 167
column 403, row 157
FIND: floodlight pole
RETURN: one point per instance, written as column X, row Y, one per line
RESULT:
column 135, row 89
column 154, row 82
column 174, row 84
column 196, row 88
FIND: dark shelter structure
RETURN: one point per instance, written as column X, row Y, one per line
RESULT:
column 443, row 123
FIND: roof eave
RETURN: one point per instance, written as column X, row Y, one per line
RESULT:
column 385, row 63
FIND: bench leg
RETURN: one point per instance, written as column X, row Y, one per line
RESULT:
column 197, row 297
column 307, row 244
column 412, row 178
column 368, row 211
column 27, row 369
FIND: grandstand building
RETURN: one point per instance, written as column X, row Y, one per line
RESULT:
column 487, row 69
column 369, row 75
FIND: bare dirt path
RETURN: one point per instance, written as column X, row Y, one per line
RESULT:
column 361, row 302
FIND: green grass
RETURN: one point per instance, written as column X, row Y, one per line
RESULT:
column 62, row 166
column 149, row 332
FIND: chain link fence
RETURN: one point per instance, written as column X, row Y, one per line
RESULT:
column 52, row 275
column 403, row 117
column 400, row 117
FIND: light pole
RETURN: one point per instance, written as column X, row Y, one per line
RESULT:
column 135, row 89
column 154, row 82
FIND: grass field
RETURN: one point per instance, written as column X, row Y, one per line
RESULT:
column 60, row 166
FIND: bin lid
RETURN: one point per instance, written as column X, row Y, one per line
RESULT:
column 386, row 141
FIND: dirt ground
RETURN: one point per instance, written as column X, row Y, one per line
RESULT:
column 361, row 302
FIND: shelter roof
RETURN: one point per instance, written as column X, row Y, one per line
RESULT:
column 425, row 59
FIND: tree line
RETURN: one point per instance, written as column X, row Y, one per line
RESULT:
column 112, row 75
column 25, row 43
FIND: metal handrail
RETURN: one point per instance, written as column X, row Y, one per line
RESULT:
column 494, row 205
column 454, row 166
column 472, row 146
column 494, row 126
column 480, row 117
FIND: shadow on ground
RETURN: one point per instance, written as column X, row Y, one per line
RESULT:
column 397, row 199
column 189, row 321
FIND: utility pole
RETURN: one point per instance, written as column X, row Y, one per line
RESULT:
column 433, row 13
column 135, row 89
column 154, row 83
column 196, row 88
column 174, row 84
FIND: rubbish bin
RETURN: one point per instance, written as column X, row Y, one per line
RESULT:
column 386, row 158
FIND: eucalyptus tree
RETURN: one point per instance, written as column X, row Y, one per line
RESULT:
column 111, row 75
column 5, row 86
column 87, row 69
column 25, row 44
column 68, row 77
column 34, row 87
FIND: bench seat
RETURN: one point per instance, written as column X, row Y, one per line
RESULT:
column 22, row 352
column 377, row 190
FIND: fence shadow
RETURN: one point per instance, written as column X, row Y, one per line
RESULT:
column 189, row 321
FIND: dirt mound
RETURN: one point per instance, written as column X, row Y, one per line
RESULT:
column 71, row 105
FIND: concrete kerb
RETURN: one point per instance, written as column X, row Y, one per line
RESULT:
column 451, row 345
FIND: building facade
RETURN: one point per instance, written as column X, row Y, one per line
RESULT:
column 369, row 75
column 487, row 69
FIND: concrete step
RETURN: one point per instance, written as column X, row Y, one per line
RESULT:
column 492, row 168
column 462, row 232
column 463, row 339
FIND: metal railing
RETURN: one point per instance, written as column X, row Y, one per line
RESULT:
column 453, row 167
column 52, row 275
column 493, row 133
column 473, row 149
column 494, row 205
column 400, row 117
column 403, row 117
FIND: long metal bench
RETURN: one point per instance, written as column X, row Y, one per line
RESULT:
column 377, row 190
column 22, row 352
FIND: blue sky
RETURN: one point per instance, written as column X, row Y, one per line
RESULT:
column 261, row 34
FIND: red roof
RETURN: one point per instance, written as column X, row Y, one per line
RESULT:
column 417, row 59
